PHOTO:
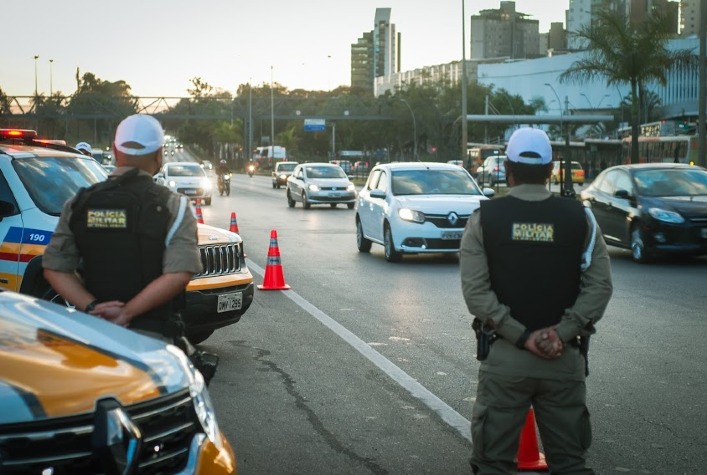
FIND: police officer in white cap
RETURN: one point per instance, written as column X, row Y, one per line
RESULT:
column 535, row 273
column 84, row 148
column 135, row 240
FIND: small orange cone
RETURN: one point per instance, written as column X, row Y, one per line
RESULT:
column 274, row 278
column 199, row 216
column 529, row 456
column 234, row 224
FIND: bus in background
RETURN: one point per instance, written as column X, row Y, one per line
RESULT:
column 266, row 157
column 477, row 153
column 671, row 149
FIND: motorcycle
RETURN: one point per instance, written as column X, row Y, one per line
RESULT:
column 224, row 184
column 251, row 170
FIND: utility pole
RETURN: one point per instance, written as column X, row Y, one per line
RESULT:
column 702, row 93
column 464, row 124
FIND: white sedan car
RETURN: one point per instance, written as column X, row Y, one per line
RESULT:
column 320, row 183
column 187, row 178
column 414, row 208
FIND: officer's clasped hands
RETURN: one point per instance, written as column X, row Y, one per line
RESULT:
column 545, row 343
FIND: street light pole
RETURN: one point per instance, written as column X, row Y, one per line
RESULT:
column 566, row 188
column 414, row 129
column 465, row 133
column 36, row 91
column 272, row 114
column 51, row 78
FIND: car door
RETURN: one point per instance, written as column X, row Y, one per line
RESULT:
column 622, row 206
column 11, row 237
column 378, row 206
column 365, row 208
column 295, row 183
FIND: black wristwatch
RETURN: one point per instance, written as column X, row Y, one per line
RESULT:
column 90, row 307
column 520, row 342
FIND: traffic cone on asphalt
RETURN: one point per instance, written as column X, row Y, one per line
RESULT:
column 199, row 216
column 529, row 456
column 234, row 224
column 274, row 278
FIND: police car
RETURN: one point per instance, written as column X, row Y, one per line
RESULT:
column 38, row 176
column 81, row 395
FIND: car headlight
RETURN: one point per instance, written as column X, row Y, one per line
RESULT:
column 200, row 397
column 206, row 184
column 172, row 184
column 408, row 214
column 283, row 176
column 666, row 216
column 351, row 187
column 313, row 188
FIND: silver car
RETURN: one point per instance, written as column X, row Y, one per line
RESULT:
column 492, row 171
column 320, row 183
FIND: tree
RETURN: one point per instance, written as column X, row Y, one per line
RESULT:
column 622, row 52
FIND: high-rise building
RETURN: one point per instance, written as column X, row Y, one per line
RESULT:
column 503, row 32
column 376, row 53
column 362, row 64
column 690, row 17
column 581, row 13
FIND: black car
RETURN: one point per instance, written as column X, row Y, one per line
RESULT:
column 652, row 209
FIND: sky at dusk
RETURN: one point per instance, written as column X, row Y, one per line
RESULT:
column 157, row 46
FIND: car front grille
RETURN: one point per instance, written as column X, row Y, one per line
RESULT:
column 65, row 446
column 220, row 259
column 332, row 188
column 442, row 220
column 191, row 191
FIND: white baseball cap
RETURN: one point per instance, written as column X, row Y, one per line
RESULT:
column 530, row 146
column 83, row 146
column 139, row 134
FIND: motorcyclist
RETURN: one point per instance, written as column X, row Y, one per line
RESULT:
column 222, row 169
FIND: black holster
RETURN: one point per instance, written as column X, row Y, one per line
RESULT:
column 584, row 351
column 484, row 339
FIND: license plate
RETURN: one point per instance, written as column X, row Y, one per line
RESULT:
column 451, row 235
column 703, row 233
column 229, row 302
column 189, row 192
column 334, row 194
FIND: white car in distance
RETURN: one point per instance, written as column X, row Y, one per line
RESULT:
column 187, row 178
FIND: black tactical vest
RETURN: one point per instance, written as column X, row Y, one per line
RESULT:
column 120, row 227
column 534, row 250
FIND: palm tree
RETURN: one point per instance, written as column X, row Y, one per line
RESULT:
column 622, row 52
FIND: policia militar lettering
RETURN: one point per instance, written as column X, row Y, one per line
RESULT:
column 125, row 249
column 535, row 273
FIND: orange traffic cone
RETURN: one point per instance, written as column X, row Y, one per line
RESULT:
column 529, row 456
column 199, row 216
column 234, row 224
column 274, row 278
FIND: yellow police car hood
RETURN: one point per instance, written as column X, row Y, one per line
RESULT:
column 57, row 362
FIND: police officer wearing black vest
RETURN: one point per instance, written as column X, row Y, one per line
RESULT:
column 125, row 249
column 535, row 273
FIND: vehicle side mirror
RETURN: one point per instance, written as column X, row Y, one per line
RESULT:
column 489, row 192
column 6, row 209
column 378, row 194
column 623, row 194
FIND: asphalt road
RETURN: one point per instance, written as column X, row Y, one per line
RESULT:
column 368, row 367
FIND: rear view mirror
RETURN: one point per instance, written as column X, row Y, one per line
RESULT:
column 623, row 194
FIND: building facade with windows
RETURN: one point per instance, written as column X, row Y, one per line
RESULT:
column 376, row 53
column 504, row 32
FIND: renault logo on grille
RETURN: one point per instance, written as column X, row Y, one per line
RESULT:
column 116, row 438
column 453, row 218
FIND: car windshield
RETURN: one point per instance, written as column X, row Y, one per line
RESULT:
column 672, row 182
column 50, row 181
column 433, row 182
column 286, row 167
column 185, row 170
column 325, row 172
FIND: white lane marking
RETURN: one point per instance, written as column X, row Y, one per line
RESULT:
column 417, row 390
